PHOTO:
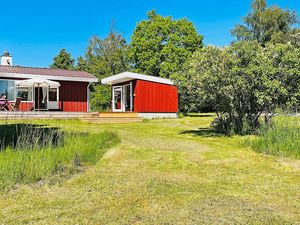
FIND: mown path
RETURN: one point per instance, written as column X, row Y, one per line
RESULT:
column 166, row 172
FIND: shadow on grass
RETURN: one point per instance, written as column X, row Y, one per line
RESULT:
column 29, row 136
column 204, row 132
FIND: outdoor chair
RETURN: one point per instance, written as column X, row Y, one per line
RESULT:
column 15, row 106
column 3, row 105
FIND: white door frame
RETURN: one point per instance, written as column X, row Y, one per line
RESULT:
column 53, row 104
column 113, row 99
column 124, row 96
column 47, row 99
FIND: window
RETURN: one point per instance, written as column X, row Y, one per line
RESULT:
column 53, row 94
column 25, row 93
column 7, row 88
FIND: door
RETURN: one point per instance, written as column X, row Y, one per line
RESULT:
column 117, row 99
column 127, row 98
column 53, row 102
column 40, row 98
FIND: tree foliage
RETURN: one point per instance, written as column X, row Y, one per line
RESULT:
column 243, row 82
column 103, row 58
column 63, row 60
column 161, row 45
column 266, row 24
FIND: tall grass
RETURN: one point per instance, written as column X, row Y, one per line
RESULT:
column 282, row 138
column 30, row 153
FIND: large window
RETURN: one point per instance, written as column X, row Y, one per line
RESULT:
column 25, row 93
column 7, row 89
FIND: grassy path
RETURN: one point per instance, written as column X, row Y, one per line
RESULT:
column 166, row 172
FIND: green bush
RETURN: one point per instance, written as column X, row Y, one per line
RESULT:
column 34, row 155
column 281, row 138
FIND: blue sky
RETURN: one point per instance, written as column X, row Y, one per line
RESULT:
column 34, row 31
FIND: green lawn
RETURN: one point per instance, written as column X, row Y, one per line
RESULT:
column 165, row 172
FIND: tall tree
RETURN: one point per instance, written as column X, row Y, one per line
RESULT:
column 266, row 24
column 161, row 45
column 243, row 82
column 103, row 58
column 63, row 60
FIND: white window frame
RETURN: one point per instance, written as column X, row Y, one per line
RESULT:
column 15, row 93
column 113, row 99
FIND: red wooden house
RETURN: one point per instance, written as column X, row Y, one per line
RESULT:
column 149, row 96
column 45, row 89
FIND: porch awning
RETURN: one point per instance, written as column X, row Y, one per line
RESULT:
column 37, row 82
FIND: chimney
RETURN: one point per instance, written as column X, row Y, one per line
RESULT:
column 6, row 59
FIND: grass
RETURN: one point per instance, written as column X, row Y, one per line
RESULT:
column 282, row 138
column 33, row 152
column 173, row 171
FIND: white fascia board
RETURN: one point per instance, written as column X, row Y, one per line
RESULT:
column 127, row 76
column 59, row 78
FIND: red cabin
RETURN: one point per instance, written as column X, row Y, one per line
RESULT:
column 149, row 96
column 45, row 89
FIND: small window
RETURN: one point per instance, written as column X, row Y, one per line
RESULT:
column 25, row 93
column 53, row 94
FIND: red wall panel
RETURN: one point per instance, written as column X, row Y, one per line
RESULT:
column 26, row 106
column 73, row 96
column 151, row 97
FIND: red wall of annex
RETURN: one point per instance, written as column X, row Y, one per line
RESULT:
column 73, row 96
column 151, row 97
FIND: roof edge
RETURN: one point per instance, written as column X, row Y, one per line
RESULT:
column 59, row 78
column 121, row 77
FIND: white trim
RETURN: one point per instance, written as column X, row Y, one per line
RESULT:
column 131, row 97
column 113, row 99
column 88, row 98
column 124, row 97
column 59, row 78
column 16, row 93
column 128, row 76
column 53, row 104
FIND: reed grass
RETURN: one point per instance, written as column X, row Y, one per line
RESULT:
column 282, row 138
column 30, row 153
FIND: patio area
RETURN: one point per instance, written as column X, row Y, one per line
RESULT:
column 19, row 115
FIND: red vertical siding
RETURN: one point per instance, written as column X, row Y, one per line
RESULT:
column 73, row 96
column 26, row 106
column 151, row 97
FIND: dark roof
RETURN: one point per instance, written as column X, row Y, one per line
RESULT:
column 59, row 73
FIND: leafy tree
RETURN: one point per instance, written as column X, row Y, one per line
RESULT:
column 161, row 45
column 284, row 58
column 243, row 82
column 63, row 61
column 103, row 58
column 266, row 24
column 295, row 37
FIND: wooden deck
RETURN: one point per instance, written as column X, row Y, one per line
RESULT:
column 93, row 117
column 43, row 115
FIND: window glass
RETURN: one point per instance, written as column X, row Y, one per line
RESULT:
column 25, row 93
column 7, row 88
column 53, row 94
